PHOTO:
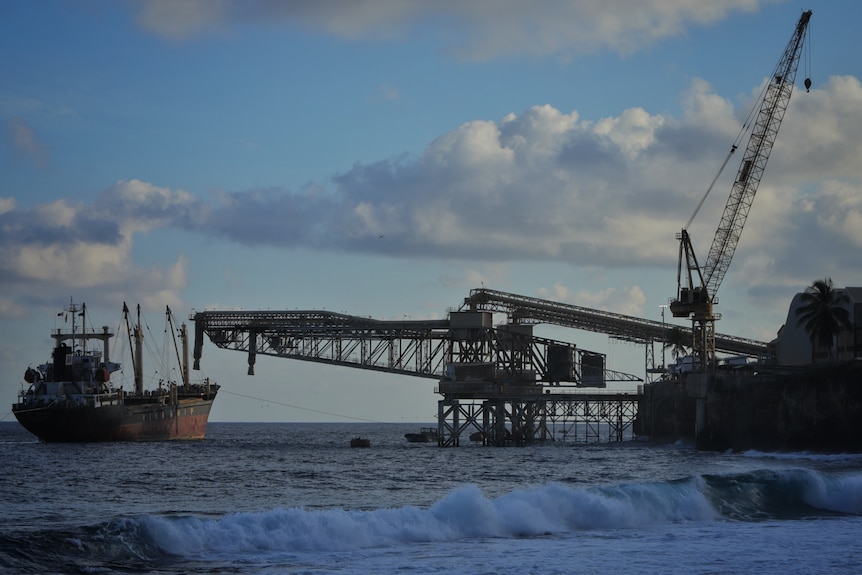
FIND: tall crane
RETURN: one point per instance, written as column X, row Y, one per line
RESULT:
column 697, row 286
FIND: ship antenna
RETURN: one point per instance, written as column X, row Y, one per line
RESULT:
column 84, row 327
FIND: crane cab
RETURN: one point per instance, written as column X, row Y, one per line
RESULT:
column 692, row 302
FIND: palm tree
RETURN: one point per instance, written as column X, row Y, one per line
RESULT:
column 824, row 315
column 677, row 341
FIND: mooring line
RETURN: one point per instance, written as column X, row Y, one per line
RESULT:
column 222, row 390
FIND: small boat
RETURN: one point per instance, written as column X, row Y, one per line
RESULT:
column 360, row 442
column 74, row 398
column 425, row 435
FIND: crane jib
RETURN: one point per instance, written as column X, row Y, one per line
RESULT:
column 769, row 118
column 696, row 296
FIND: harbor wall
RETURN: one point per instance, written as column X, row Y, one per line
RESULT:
column 818, row 408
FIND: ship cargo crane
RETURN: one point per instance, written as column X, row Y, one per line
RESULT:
column 697, row 286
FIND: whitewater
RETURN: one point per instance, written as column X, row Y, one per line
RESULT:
column 295, row 498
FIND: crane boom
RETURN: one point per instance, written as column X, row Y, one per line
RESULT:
column 697, row 286
column 769, row 118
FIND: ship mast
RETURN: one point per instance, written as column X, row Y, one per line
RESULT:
column 136, row 342
column 139, row 354
column 183, row 361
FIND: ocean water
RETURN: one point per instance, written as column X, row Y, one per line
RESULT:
column 295, row 498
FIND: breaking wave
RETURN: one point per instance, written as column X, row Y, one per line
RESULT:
column 466, row 512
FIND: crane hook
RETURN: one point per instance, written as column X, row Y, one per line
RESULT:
column 807, row 84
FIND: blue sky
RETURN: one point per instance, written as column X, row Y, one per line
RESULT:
column 384, row 157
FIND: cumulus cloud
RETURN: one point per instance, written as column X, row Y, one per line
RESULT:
column 538, row 185
column 473, row 30
column 549, row 185
column 81, row 246
column 467, row 195
column 542, row 184
column 141, row 206
column 804, row 217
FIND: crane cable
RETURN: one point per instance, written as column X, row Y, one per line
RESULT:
column 808, row 58
column 746, row 126
column 709, row 189
column 743, row 130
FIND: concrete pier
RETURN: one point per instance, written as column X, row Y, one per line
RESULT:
column 817, row 408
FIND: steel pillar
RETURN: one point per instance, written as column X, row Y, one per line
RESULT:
column 584, row 418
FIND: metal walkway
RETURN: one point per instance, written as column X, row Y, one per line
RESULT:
column 465, row 346
column 629, row 328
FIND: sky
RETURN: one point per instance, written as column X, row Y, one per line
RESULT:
column 384, row 157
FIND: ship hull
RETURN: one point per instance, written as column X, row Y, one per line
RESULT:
column 122, row 422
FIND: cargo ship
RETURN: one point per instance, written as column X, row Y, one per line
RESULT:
column 72, row 397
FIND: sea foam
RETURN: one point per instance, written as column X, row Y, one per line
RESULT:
column 546, row 510
column 465, row 513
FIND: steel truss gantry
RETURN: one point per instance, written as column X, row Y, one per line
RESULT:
column 414, row 348
column 623, row 327
column 422, row 348
column 576, row 417
column 502, row 383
